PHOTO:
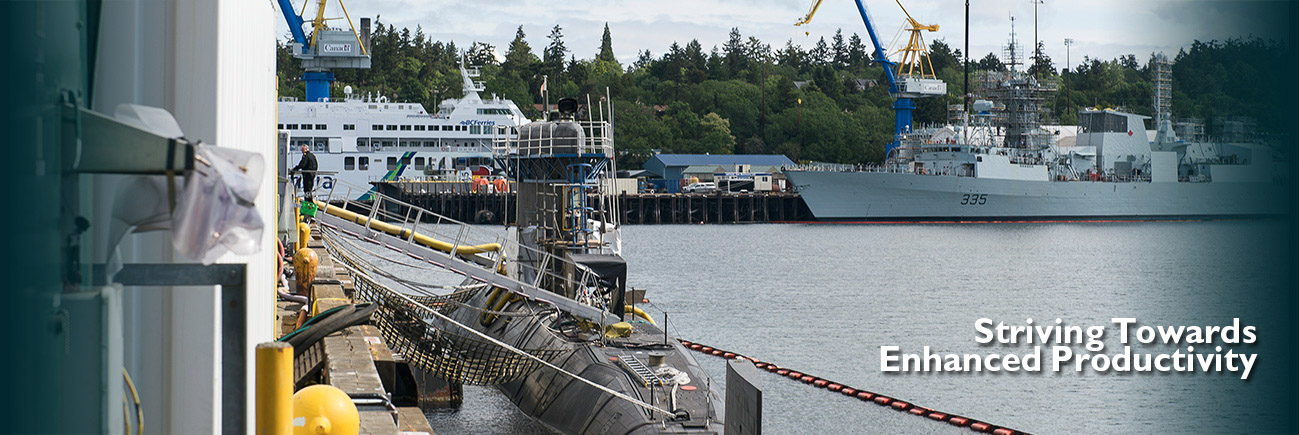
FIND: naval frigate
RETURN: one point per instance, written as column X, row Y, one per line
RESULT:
column 1000, row 164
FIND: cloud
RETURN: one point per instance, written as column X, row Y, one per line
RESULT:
column 1101, row 28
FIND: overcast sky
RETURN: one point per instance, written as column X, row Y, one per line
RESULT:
column 1100, row 28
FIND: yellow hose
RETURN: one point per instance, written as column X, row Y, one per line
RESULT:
column 641, row 313
column 405, row 233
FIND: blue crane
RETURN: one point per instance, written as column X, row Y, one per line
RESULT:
column 903, row 91
column 325, row 49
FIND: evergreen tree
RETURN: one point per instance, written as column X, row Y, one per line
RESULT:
column 820, row 54
column 734, row 49
column 606, row 46
column 520, row 53
column 555, row 52
column 839, row 50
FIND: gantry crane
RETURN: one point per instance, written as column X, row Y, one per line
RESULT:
column 325, row 49
column 906, row 88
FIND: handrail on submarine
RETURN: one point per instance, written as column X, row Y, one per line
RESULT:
column 485, row 269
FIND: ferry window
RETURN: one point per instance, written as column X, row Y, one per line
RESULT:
column 409, row 143
column 514, row 130
column 446, row 128
column 429, row 143
column 349, row 126
column 493, row 111
column 405, row 128
column 291, row 127
column 365, row 163
column 362, row 143
column 474, row 129
column 392, row 163
column 392, row 127
column 349, row 163
column 306, row 126
column 419, row 128
column 419, row 163
column 322, row 127
column 405, row 161
column 281, row 126
column 374, row 106
column 376, row 127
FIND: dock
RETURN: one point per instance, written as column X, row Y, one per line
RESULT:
column 461, row 202
column 356, row 360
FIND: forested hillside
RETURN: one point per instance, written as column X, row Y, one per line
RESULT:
column 741, row 97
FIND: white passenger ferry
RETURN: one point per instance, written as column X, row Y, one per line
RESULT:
column 365, row 138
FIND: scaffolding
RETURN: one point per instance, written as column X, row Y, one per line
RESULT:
column 1162, row 80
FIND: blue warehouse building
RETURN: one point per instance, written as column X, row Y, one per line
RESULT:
column 671, row 167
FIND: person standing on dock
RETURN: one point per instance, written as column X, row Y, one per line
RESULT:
column 308, row 167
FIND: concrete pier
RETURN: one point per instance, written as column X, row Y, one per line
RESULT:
column 356, row 360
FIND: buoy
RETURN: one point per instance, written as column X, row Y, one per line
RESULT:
column 684, row 343
column 980, row 427
column 848, row 391
column 695, row 347
column 820, row 383
column 901, row 406
column 958, row 421
column 782, row 372
column 705, row 349
column 917, row 411
column 772, row 368
column 761, row 365
column 687, row 388
column 1003, row 431
column 882, row 401
column 834, row 387
column 937, row 416
column 716, row 352
column 863, row 395
column 807, row 379
column 794, row 375
column 324, row 410
column 728, row 355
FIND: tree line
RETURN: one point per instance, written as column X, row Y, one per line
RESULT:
column 827, row 103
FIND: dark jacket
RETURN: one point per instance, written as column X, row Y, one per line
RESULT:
column 307, row 164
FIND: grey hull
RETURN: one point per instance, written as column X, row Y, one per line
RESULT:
column 873, row 196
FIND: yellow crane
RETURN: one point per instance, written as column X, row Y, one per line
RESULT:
column 915, row 55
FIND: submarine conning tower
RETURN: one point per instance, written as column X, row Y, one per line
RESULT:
column 563, row 168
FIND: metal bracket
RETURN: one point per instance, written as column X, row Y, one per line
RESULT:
column 234, row 296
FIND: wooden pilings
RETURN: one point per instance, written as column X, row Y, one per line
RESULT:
column 459, row 202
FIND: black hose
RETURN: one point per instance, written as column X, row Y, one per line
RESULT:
column 316, row 319
column 357, row 315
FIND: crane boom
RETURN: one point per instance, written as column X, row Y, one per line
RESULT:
column 324, row 49
column 902, row 92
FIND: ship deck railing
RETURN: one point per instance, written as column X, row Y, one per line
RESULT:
column 597, row 139
column 505, row 260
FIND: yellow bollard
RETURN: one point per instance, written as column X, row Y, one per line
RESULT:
column 274, row 396
column 304, row 270
column 324, row 410
column 304, row 234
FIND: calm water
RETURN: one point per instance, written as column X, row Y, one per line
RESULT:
column 823, row 298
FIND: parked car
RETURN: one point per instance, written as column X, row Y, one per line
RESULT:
column 700, row 187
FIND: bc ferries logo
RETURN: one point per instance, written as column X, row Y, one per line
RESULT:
column 477, row 122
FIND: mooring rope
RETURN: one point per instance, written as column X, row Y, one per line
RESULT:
column 860, row 394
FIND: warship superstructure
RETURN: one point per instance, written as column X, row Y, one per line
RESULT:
column 999, row 163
